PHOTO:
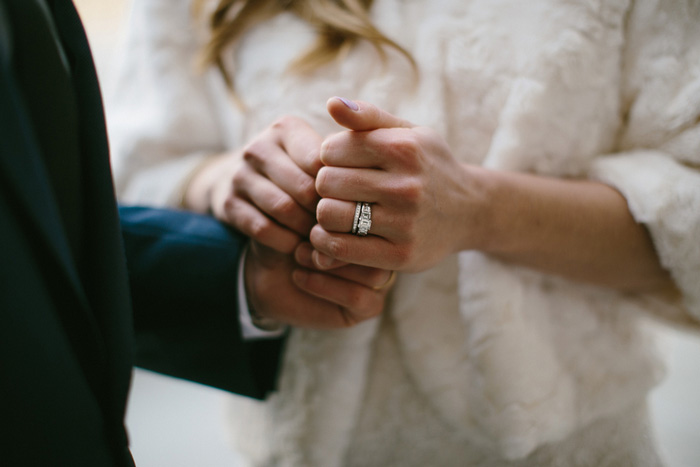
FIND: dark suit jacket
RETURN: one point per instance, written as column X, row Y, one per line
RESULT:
column 68, row 338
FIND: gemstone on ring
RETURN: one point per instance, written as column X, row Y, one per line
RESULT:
column 365, row 221
column 356, row 219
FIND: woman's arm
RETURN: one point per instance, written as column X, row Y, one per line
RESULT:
column 579, row 229
column 426, row 205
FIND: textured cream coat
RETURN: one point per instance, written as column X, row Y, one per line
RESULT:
column 475, row 362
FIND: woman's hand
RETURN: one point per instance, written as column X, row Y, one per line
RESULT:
column 426, row 205
column 267, row 190
column 423, row 200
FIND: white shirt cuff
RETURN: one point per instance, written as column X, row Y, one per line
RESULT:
column 249, row 330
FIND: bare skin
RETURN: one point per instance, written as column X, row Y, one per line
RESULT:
column 426, row 205
column 267, row 191
column 278, row 288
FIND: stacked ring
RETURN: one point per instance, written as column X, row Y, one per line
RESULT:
column 356, row 219
column 362, row 221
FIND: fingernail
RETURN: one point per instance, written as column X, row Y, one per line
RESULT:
column 302, row 255
column 350, row 104
column 322, row 261
column 300, row 276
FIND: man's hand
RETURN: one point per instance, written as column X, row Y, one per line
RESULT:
column 279, row 288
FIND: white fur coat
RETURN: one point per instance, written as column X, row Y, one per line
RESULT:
column 475, row 362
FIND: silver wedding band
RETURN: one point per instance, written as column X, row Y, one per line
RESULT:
column 362, row 221
column 356, row 219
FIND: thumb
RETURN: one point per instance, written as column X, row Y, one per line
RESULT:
column 362, row 116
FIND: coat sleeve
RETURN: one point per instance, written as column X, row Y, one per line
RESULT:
column 658, row 166
column 182, row 271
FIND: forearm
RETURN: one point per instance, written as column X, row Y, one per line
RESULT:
column 183, row 270
column 427, row 205
column 578, row 229
column 197, row 192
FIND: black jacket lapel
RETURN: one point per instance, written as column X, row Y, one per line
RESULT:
column 104, row 269
column 22, row 171
column 28, row 187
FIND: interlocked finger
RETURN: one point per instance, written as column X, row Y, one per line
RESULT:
column 301, row 142
column 375, row 278
column 273, row 201
column 356, row 302
column 248, row 219
column 335, row 215
column 373, row 251
column 271, row 161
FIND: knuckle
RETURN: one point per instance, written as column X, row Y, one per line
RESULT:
column 411, row 191
column 332, row 145
column 324, row 212
column 307, row 192
column 253, row 152
column 279, row 123
column 238, row 179
column 260, row 228
column 283, row 208
column 360, row 302
column 285, row 122
column 323, row 182
column 405, row 148
column 337, row 248
column 367, row 305
column 326, row 148
column 229, row 204
column 313, row 160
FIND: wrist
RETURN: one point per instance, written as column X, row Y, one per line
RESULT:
column 197, row 189
column 251, row 326
column 509, row 211
column 478, row 209
column 253, row 275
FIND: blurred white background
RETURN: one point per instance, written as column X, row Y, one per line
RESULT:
column 173, row 423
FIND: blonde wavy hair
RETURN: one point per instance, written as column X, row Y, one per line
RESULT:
column 339, row 25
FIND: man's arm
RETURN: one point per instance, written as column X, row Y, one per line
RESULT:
column 183, row 271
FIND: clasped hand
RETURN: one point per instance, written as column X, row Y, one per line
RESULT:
column 288, row 186
column 417, row 190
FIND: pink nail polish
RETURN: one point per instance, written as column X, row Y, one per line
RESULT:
column 349, row 104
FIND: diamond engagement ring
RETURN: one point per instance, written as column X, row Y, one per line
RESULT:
column 364, row 220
